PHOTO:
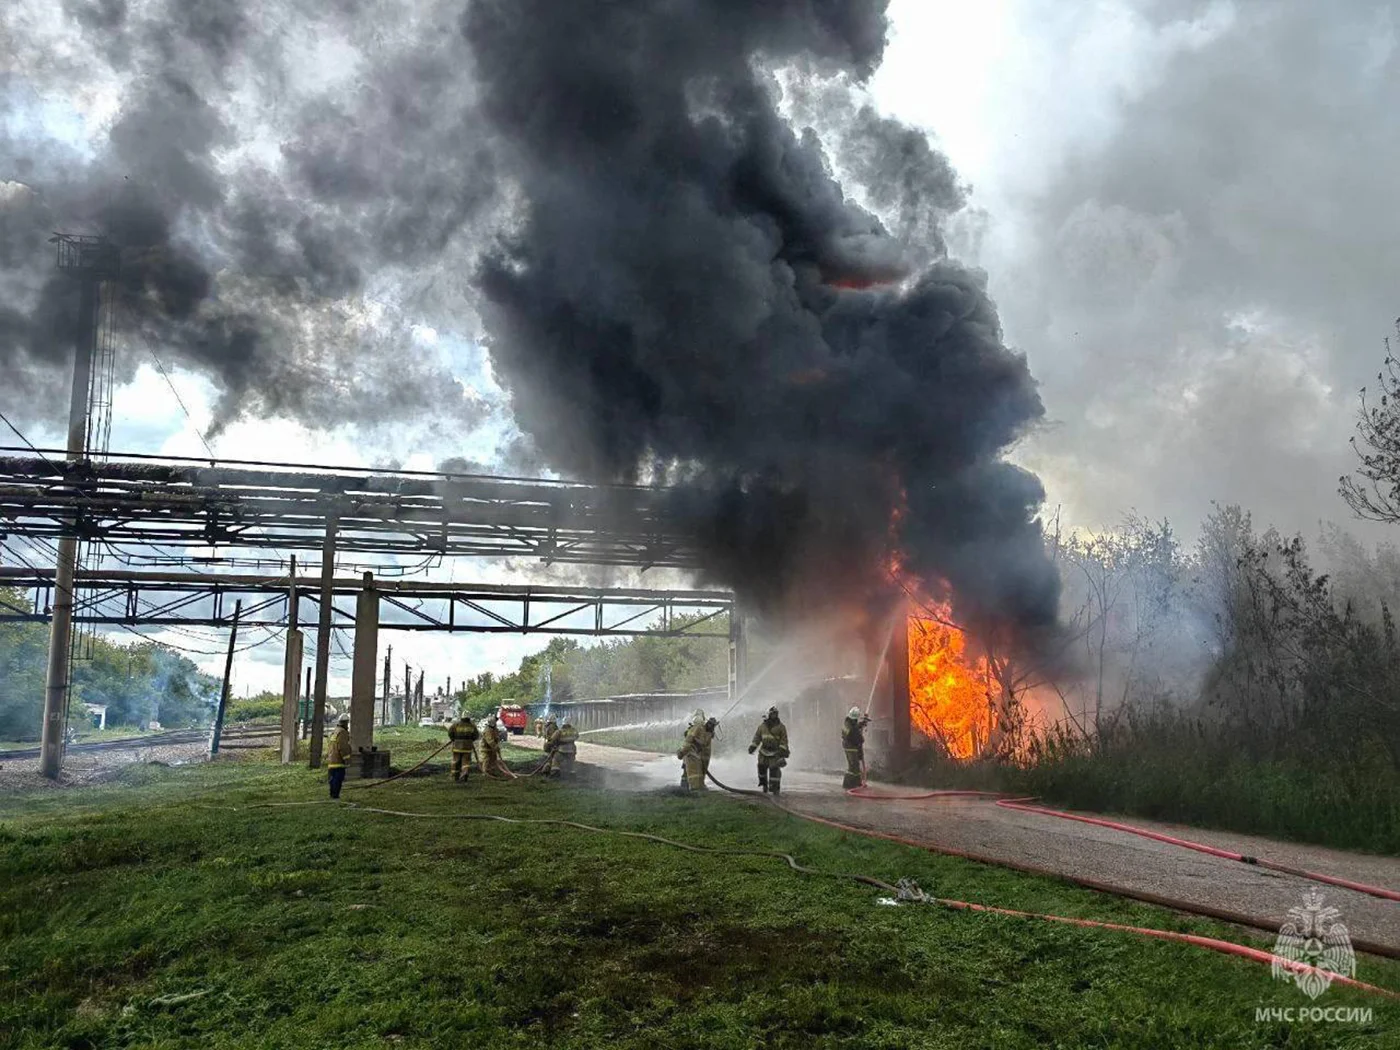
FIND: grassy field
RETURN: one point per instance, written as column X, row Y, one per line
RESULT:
column 191, row 907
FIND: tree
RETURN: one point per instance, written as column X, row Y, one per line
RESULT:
column 1373, row 492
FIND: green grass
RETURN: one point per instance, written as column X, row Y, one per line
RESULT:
column 1349, row 805
column 323, row 926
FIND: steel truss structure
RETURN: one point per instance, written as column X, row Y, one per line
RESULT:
column 139, row 500
column 153, row 599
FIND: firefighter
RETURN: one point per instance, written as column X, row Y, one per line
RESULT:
column 491, row 749
column 770, row 740
column 550, row 725
column 562, row 746
column 539, row 727
column 463, row 735
column 339, row 756
column 695, row 751
column 853, row 743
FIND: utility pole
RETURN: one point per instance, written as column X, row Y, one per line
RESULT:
column 91, row 260
column 408, row 715
column 228, row 672
column 423, row 710
column 323, row 640
column 388, row 662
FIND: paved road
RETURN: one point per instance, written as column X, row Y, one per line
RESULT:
column 1076, row 850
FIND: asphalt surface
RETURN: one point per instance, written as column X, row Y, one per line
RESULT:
column 1127, row 862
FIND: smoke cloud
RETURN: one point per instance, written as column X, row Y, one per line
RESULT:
column 625, row 200
column 690, row 296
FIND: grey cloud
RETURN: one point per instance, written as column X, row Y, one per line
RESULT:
column 1210, row 286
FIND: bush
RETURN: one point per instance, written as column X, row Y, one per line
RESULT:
column 256, row 710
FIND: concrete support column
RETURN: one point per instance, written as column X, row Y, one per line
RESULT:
column 323, row 643
column 56, row 693
column 291, row 692
column 291, row 670
column 365, row 671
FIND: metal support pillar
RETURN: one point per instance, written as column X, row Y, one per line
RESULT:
column 218, row 728
column 291, row 670
column 897, row 660
column 738, row 653
column 365, row 666
column 323, row 643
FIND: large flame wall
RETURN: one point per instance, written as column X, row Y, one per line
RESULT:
column 948, row 693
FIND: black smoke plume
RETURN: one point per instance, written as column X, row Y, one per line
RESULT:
column 675, row 286
column 690, row 297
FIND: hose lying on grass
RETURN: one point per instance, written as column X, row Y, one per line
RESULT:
column 904, row 891
column 1214, row 944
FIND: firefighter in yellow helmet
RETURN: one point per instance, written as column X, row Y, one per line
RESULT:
column 770, row 740
column 853, row 743
column 562, row 746
column 463, row 735
column 539, row 727
column 338, row 757
column 491, row 749
column 695, row 751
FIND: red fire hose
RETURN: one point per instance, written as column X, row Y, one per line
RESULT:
column 877, row 796
column 1020, row 805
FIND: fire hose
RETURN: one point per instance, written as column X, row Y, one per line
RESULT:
column 1210, row 943
column 1214, row 944
column 433, row 755
column 1020, row 805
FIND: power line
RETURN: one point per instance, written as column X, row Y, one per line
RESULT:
column 20, row 434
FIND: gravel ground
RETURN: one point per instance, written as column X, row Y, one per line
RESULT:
column 1077, row 850
column 93, row 767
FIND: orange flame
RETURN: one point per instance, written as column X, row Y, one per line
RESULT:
column 948, row 693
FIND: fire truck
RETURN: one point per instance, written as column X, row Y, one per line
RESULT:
column 513, row 717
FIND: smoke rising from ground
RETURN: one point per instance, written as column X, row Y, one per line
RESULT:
column 675, row 284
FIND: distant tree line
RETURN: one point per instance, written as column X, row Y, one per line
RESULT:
column 571, row 671
column 138, row 682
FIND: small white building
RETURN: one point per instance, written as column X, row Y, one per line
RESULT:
column 98, row 713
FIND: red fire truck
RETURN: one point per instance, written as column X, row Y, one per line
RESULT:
column 513, row 718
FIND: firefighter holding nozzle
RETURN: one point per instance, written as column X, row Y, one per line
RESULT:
column 770, row 740
column 562, row 748
column 853, row 743
column 695, row 750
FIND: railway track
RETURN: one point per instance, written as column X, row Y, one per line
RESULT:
column 163, row 739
